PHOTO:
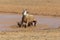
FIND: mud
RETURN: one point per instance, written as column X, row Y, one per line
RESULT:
column 8, row 22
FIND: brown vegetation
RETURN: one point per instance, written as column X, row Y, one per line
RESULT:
column 41, row 35
column 38, row 10
column 38, row 7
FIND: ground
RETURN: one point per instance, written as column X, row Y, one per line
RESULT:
column 52, row 34
column 30, row 33
column 36, row 7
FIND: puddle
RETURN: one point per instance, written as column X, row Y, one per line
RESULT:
column 7, row 20
column 53, row 22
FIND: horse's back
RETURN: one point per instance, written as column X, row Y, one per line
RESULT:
column 30, row 17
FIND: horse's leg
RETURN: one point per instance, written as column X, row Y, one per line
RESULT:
column 29, row 24
column 19, row 24
column 34, row 23
column 24, row 24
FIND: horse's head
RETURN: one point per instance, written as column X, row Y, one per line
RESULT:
column 25, row 12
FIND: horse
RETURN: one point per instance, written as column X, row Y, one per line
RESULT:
column 30, row 20
column 27, row 19
column 23, row 23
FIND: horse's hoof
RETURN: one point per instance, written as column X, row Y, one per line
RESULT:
column 24, row 26
column 29, row 25
column 19, row 24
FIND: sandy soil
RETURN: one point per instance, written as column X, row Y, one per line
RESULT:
column 37, row 7
column 52, row 34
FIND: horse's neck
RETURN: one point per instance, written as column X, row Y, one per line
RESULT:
column 25, row 13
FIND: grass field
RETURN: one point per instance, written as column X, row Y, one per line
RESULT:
column 40, row 7
column 52, row 34
column 37, row 7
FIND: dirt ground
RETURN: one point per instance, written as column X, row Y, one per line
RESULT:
column 52, row 34
column 29, row 33
column 46, row 10
column 36, row 7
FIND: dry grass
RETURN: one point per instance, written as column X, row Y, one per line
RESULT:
column 38, row 7
column 29, row 34
column 39, row 10
column 41, row 35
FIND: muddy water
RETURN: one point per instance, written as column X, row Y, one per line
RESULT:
column 53, row 22
column 8, row 20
